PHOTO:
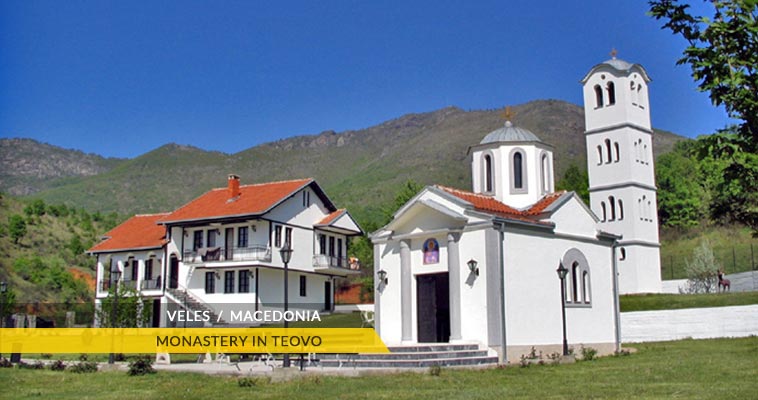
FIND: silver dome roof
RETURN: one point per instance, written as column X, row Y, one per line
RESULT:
column 510, row 133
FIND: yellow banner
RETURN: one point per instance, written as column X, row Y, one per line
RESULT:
column 190, row 340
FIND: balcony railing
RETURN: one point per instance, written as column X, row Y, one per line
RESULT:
column 216, row 254
column 321, row 261
column 150, row 284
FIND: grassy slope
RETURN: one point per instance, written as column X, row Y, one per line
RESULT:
column 648, row 302
column 691, row 369
column 677, row 248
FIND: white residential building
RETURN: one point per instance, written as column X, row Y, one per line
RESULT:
column 220, row 252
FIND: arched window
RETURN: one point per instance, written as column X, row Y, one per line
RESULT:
column 612, row 203
column 645, row 157
column 636, row 152
column 621, row 210
column 616, row 147
column 518, row 172
column 545, row 174
column 487, row 173
column 644, row 208
column 602, row 207
column 622, row 254
column 608, row 151
column 640, row 97
column 633, row 92
column 611, row 93
column 578, row 278
column 599, row 155
column 598, row 96
column 649, row 211
column 639, row 209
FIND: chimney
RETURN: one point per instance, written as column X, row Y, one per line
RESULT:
column 234, row 186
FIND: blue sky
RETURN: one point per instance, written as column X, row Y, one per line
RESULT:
column 120, row 78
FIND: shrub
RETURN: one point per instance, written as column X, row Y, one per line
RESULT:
column 5, row 363
column 702, row 270
column 34, row 365
column 588, row 353
column 251, row 381
column 141, row 366
column 57, row 365
column 83, row 367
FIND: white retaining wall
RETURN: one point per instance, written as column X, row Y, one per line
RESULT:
column 696, row 323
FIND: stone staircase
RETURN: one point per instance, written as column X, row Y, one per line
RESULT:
column 183, row 298
column 418, row 356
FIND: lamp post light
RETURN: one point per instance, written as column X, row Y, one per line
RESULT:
column 286, row 253
column 3, row 289
column 562, row 271
column 472, row 266
column 115, row 275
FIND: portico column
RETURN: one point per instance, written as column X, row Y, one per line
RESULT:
column 405, row 290
column 454, row 275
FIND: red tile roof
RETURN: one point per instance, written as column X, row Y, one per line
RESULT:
column 491, row 205
column 138, row 232
column 253, row 199
column 331, row 217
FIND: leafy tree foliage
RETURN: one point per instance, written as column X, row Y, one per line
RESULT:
column 682, row 199
column 8, row 300
column 702, row 270
column 16, row 227
column 722, row 53
column 577, row 180
column 132, row 310
column 409, row 189
column 36, row 208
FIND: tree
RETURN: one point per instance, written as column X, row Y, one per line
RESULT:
column 409, row 189
column 37, row 207
column 132, row 310
column 16, row 227
column 702, row 270
column 722, row 53
column 682, row 199
column 723, row 56
column 8, row 300
column 577, row 180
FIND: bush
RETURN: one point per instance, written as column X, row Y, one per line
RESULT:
column 702, row 270
column 57, row 365
column 251, row 381
column 141, row 366
column 5, row 363
column 34, row 365
column 83, row 367
column 588, row 353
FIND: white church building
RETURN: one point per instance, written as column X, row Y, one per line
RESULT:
column 480, row 266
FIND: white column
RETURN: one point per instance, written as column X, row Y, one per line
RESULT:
column 454, row 284
column 405, row 290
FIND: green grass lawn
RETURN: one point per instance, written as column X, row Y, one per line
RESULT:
column 687, row 369
column 649, row 302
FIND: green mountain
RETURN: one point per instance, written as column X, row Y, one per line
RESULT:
column 359, row 169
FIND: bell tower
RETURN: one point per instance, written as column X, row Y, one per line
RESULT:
column 620, row 165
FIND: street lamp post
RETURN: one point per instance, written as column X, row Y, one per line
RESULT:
column 286, row 253
column 3, row 289
column 562, row 271
column 115, row 275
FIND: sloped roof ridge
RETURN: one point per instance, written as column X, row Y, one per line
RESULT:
column 267, row 183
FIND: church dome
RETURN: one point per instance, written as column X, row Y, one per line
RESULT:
column 510, row 133
column 619, row 64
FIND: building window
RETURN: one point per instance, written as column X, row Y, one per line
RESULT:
column 322, row 244
column 197, row 243
column 229, row 282
column 488, row 173
column 212, row 238
column 645, row 157
column 242, row 236
column 288, row 236
column 545, row 174
column 278, row 236
column 578, row 287
column 612, row 204
column 603, row 210
column 135, row 268
column 598, row 96
column 633, row 92
column 616, row 148
column 331, row 246
column 302, row 286
column 611, row 93
column 339, row 249
column 244, row 281
column 306, row 198
column 608, row 151
column 149, row 269
column 210, row 282
column 636, row 152
column 622, row 254
column 518, row 171
column 599, row 155
column 621, row 210
column 650, row 211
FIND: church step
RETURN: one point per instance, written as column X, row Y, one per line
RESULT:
column 432, row 348
column 408, row 355
column 443, row 362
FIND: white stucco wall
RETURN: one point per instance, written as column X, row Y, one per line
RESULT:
column 696, row 323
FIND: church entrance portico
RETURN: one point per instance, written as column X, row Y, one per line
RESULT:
column 433, row 308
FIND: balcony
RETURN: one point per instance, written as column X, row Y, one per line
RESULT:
column 150, row 284
column 128, row 284
column 334, row 265
column 221, row 254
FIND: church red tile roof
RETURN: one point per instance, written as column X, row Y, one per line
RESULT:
column 138, row 232
column 331, row 217
column 491, row 205
column 253, row 199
